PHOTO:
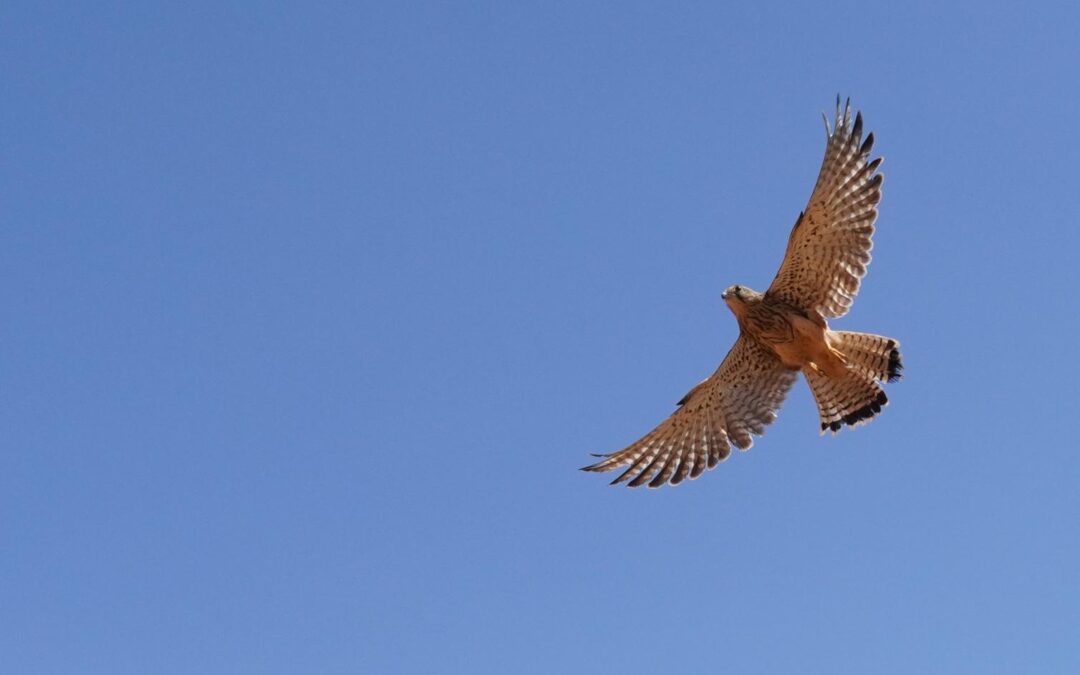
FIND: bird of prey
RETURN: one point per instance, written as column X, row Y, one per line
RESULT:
column 783, row 331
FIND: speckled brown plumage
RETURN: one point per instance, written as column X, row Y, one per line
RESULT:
column 784, row 331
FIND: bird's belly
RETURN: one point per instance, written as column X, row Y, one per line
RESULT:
column 808, row 345
column 796, row 353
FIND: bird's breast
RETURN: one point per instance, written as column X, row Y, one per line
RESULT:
column 795, row 339
column 770, row 325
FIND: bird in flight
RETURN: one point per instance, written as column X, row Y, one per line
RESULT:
column 783, row 331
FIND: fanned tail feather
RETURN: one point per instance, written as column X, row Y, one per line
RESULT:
column 874, row 355
column 855, row 397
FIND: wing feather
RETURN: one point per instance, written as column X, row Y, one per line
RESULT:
column 738, row 401
column 828, row 251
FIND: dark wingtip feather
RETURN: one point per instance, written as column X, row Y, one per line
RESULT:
column 681, row 472
column 625, row 475
column 592, row 467
column 867, row 145
column 856, row 131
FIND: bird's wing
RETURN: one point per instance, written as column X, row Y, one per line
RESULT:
column 829, row 247
column 738, row 400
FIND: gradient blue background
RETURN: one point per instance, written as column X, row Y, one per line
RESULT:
column 310, row 315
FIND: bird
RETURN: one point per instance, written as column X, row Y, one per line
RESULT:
column 785, row 331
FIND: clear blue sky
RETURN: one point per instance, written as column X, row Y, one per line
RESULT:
column 310, row 315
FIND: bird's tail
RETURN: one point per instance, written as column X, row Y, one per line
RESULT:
column 855, row 396
column 873, row 355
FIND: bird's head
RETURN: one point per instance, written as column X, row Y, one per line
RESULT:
column 737, row 297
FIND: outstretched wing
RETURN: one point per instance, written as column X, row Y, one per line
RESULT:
column 738, row 400
column 829, row 248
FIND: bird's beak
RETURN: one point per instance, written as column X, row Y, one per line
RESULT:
column 723, row 295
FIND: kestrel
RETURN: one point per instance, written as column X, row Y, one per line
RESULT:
column 784, row 331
